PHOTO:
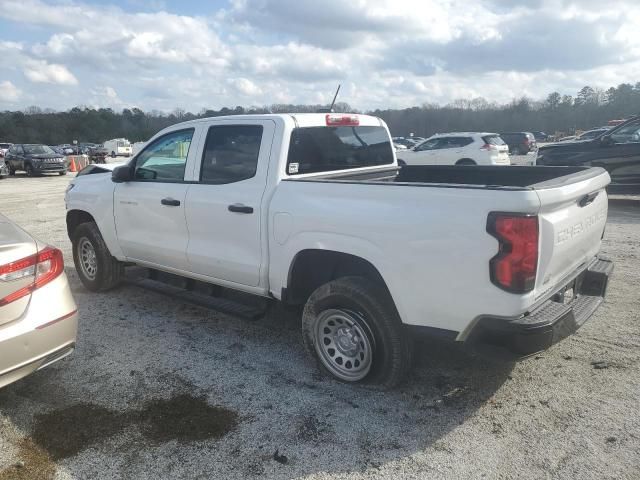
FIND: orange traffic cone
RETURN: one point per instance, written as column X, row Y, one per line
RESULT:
column 72, row 164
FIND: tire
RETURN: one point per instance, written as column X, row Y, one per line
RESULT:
column 113, row 154
column 29, row 170
column 367, row 333
column 12, row 171
column 465, row 161
column 99, row 271
column 64, row 172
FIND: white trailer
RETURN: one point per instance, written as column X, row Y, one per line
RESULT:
column 118, row 147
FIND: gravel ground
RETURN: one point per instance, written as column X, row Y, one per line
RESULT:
column 162, row 389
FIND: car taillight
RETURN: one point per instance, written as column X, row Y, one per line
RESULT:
column 45, row 266
column 488, row 146
column 341, row 120
column 514, row 267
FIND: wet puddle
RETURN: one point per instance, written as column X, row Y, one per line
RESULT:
column 64, row 433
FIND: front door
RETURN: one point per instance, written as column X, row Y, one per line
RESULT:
column 621, row 155
column 224, row 208
column 150, row 209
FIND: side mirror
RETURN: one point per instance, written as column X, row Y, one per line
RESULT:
column 121, row 174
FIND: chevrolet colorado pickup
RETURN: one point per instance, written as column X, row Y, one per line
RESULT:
column 313, row 210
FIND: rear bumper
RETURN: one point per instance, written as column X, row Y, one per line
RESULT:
column 33, row 350
column 552, row 321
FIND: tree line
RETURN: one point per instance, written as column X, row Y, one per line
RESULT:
column 589, row 108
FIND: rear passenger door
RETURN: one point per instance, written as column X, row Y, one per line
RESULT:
column 455, row 150
column 224, row 206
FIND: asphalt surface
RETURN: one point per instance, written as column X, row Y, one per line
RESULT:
column 162, row 389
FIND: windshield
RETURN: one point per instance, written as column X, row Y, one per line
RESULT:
column 323, row 149
column 5, row 145
column 37, row 149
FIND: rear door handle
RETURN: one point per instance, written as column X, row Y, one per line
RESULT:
column 240, row 208
column 170, row 202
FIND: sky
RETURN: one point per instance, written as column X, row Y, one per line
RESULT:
column 189, row 54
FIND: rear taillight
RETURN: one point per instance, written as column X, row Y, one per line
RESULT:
column 342, row 120
column 514, row 267
column 488, row 146
column 44, row 267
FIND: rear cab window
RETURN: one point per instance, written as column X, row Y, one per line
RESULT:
column 327, row 148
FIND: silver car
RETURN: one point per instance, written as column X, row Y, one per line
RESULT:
column 38, row 316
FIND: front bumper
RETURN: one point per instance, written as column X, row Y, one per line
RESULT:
column 552, row 321
column 42, row 167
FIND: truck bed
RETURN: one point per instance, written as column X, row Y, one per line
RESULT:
column 494, row 178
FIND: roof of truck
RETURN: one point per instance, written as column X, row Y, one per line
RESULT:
column 302, row 119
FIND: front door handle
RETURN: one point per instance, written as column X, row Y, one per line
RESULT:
column 170, row 202
column 240, row 208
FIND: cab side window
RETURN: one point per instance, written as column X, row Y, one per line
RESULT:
column 230, row 153
column 165, row 159
column 627, row 134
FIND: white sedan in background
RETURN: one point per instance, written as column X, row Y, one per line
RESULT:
column 459, row 148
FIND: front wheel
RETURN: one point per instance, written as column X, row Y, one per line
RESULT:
column 64, row 172
column 29, row 170
column 97, row 268
column 351, row 327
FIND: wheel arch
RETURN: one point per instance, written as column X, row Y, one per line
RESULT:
column 312, row 267
column 77, row 217
column 466, row 161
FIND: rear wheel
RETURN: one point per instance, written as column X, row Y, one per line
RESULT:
column 97, row 268
column 465, row 161
column 350, row 326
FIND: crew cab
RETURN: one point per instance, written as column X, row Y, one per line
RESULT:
column 617, row 150
column 313, row 210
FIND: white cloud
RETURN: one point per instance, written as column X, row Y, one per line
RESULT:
column 246, row 87
column 9, row 93
column 386, row 53
column 39, row 71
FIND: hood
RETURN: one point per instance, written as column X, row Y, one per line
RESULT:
column 576, row 145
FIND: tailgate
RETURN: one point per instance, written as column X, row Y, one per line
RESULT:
column 573, row 214
column 15, row 244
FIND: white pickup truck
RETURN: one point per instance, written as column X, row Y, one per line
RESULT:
column 313, row 210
